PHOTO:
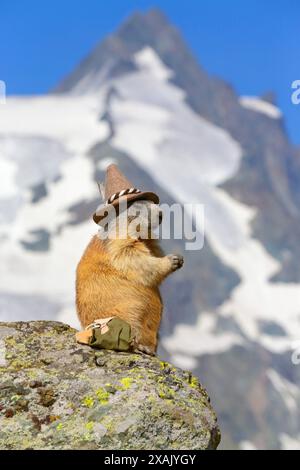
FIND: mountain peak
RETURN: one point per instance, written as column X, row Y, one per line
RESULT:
column 114, row 55
column 154, row 18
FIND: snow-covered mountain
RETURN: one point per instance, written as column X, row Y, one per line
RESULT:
column 140, row 99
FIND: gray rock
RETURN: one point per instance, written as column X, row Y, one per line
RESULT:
column 56, row 394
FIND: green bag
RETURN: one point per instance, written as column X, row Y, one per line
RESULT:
column 118, row 337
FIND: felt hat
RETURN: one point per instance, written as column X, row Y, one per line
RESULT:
column 117, row 189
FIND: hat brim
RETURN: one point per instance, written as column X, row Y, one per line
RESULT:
column 103, row 210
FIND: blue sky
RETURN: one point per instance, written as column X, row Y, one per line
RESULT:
column 252, row 44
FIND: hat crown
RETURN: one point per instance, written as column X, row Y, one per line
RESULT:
column 115, row 181
column 117, row 187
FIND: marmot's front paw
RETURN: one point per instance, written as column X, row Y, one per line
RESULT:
column 176, row 261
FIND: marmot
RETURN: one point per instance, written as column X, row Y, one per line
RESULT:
column 121, row 276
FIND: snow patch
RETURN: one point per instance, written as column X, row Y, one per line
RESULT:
column 247, row 445
column 189, row 341
column 148, row 61
column 260, row 106
column 183, row 361
column 287, row 390
column 8, row 170
column 289, row 443
column 73, row 120
column 105, row 162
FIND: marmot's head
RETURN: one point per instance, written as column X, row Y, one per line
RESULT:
column 138, row 220
column 144, row 217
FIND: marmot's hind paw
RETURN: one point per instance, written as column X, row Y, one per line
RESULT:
column 145, row 349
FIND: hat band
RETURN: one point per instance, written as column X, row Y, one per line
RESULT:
column 124, row 192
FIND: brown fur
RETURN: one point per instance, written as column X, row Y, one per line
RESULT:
column 120, row 277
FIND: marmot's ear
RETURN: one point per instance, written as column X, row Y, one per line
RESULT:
column 101, row 187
